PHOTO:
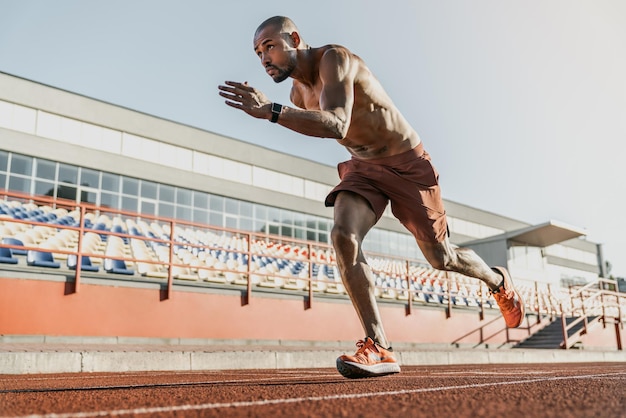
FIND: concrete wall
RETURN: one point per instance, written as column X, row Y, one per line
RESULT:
column 43, row 307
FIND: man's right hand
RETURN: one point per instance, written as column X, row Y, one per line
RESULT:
column 244, row 97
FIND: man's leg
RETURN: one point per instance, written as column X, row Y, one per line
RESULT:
column 446, row 256
column 353, row 219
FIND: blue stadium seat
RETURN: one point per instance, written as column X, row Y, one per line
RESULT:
column 6, row 256
column 118, row 229
column 85, row 264
column 14, row 241
column 117, row 266
column 41, row 259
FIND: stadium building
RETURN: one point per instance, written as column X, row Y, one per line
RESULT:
column 63, row 145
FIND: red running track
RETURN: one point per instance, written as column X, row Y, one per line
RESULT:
column 509, row 391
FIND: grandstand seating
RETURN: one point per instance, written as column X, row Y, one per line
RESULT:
column 135, row 247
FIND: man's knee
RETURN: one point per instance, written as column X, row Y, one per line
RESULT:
column 440, row 257
column 439, row 261
column 343, row 238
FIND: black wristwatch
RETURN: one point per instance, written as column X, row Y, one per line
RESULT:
column 276, row 109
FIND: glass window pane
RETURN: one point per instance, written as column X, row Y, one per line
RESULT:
column 110, row 182
column 68, row 174
column 245, row 208
column 200, row 200
column 66, row 192
column 232, row 206
column 285, row 217
column 286, row 231
column 19, row 184
column 21, row 164
column 166, row 193
column 90, row 178
column 273, row 214
column 200, row 216
column 183, row 197
column 3, row 181
column 217, row 203
column 46, row 169
column 109, row 200
column 258, row 225
column 183, row 212
column 147, row 207
column 246, row 224
column 231, row 222
column 261, row 212
column 216, row 219
column 298, row 219
column 166, row 210
column 4, row 160
column 44, row 188
column 148, row 189
column 130, row 186
column 129, row 203
column 88, row 196
column 273, row 229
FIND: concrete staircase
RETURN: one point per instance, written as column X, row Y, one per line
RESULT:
column 551, row 336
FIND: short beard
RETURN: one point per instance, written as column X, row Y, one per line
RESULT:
column 283, row 74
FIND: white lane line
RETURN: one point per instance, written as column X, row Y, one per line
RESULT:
column 279, row 379
column 244, row 404
column 295, row 373
column 263, row 379
column 111, row 375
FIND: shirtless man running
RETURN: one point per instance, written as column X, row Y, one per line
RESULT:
column 336, row 96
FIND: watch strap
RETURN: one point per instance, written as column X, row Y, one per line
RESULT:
column 277, row 108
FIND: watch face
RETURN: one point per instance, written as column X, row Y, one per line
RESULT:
column 277, row 108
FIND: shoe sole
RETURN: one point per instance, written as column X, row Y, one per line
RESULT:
column 353, row 370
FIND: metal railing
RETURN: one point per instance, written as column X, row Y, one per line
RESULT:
column 400, row 280
column 600, row 298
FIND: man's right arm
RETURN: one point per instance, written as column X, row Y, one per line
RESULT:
column 332, row 119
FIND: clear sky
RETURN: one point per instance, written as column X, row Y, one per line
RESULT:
column 521, row 104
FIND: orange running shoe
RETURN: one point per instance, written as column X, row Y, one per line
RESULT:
column 509, row 300
column 370, row 360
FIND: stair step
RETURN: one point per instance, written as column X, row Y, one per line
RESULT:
column 551, row 335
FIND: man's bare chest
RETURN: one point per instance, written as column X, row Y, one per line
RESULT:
column 310, row 97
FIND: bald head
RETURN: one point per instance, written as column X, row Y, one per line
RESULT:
column 276, row 42
column 281, row 24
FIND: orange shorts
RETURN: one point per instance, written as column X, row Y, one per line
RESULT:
column 408, row 180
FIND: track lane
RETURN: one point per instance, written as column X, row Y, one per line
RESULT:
column 540, row 390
